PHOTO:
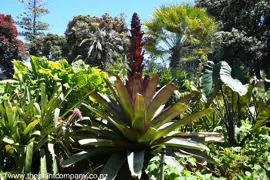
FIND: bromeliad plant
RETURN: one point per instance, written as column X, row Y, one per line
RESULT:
column 136, row 125
column 29, row 128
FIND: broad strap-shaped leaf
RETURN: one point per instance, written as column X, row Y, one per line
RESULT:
column 10, row 115
column 123, row 128
column 168, row 115
column 197, row 154
column 151, row 89
column 160, row 97
column 135, row 162
column 56, row 116
column 110, row 105
column 37, row 107
column 31, row 126
column 83, row 155
column 28, row 158
column 159, row 110
column 139, row 113
column 185, row 143
column 112, row 90
column 262, row 117
column 172, row 159
column 102, row 114
column 188, row 97
column 113, row 166
column 54, row 161
column 184, row 121
column 136, row 85
column 43, row 162
column 101, row 132
column 96, row 142
column 103, row 123
column 8, row 140
column 103, row 142
column 125, row 100
column 149, row 135
column 43, row 98
column 202, row 136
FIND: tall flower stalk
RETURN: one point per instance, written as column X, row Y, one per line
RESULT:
column 136, row 83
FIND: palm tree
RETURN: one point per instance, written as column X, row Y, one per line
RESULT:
column 179, row 31
column 103, row 44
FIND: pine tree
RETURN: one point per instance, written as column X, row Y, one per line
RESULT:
column 30, row 22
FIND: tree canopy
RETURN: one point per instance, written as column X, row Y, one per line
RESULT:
column 179, row 31
column 83, row 27
column 52, row 46
column 10, row 47
column 245, row 36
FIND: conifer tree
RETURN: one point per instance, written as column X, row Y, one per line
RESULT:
column 29, row 21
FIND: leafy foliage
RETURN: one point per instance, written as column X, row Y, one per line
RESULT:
column 245, row 35
column 72, row 77
column 250, row 161
column 104, row 44
column 10, row 47
column 52, row 46
column 86, row 27
column 29, row 128
column 232, row 100
column 180, row 31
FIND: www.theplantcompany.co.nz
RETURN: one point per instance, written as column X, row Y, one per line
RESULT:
column 55, row 176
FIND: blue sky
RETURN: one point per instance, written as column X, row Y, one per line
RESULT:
column 61, row 11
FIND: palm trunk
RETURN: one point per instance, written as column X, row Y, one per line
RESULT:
column 104, row 60
column 176, row 58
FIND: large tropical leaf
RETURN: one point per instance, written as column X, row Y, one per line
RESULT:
column 168, row 114
column 43, row 162
column 135, row 162
column 54, row 161
column 28, row 158
column 186, row 120
column 96, row 142
column 138, row 120
column 113, row 165
column 210, row 78
column 83, row 155
column 125, row 100
column 151, row 89
column 159, row 98
column 149, row 135
column 101, row 132
column 186, row 143
column 214, row 74
column 234, row 84
column 123, row 128
column 196, row 153
column 202, row 136
column 262, row 117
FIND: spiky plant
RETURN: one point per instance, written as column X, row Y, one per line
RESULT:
column 135, row 125
column 103, row 44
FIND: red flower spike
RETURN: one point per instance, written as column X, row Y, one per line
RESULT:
column 136, row 83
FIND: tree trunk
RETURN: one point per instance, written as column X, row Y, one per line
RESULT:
column 176, row 58
column 34, row 19
column 104, row 60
